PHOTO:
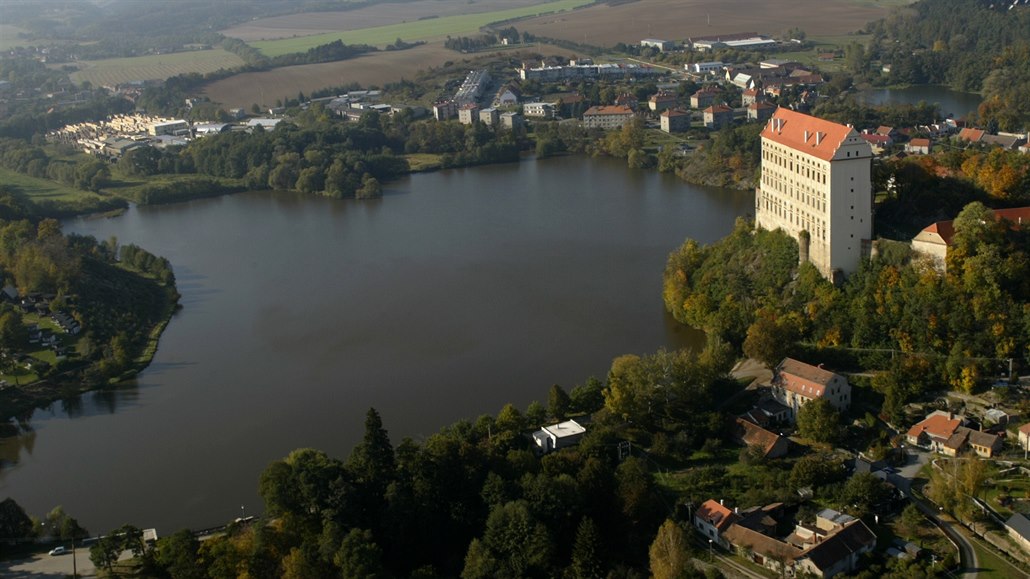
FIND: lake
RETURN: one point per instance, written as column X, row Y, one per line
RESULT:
column 457, row 292
column 952, row 103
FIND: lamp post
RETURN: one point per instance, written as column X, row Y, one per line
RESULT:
column 710, row 553
column 243, row 512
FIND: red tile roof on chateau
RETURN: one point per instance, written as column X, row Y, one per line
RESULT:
column 807, row 134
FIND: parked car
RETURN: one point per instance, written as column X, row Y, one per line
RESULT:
column 58, row 551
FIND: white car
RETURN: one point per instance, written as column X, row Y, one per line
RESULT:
column 58, row 551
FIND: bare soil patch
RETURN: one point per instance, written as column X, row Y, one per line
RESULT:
column 606, row 25
column 310, row 23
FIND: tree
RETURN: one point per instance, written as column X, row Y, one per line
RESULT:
column 14, row 523
column 818, row 420
column 177, row 555
column 515, row 544
column 668, row 553
column 558, row 403
column 771, row 338
column 586, row 552
column 536, row 414
column 358, row 556
column 104, row 553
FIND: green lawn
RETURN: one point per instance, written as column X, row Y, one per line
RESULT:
column 43, row 189
column 433, row 28
column 991, row 566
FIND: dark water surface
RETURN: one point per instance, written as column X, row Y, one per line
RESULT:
column 457, row 292
column 952, row 103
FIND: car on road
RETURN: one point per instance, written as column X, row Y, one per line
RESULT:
column 58, row 551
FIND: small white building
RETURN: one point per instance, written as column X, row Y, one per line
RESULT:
column 556, row 436
column 538, row 110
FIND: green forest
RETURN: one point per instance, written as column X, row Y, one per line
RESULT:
column 954, row 330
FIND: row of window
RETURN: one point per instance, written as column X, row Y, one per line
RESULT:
column 794, row 162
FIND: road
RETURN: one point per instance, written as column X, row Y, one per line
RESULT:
column 916, row 459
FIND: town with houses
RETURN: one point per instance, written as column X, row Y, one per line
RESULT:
column 814, row 185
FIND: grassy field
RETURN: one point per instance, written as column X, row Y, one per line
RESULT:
column 435, row 28
column 154, row 67
column 382, row 14
column 43, row 189
column 606, row 25
column 423, row 161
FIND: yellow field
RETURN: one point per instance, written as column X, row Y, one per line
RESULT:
column 154, row 67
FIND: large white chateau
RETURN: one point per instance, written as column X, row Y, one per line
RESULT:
column 816, row 187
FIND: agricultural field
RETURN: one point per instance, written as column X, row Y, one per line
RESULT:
column 154, row 67
column 44, row 189
column 374, row 69
column 309, row 23
column 606, row 25
column 431, row 29
column 9, row 37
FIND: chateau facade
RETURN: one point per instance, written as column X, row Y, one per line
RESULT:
column 816, row 186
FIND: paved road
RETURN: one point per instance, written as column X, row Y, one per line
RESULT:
column 903, row 480
column 46, row 567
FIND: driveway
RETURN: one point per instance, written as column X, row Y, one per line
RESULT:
column 46, row 567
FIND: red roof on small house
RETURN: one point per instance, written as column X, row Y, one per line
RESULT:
column 919, row 142
column 673, row 113
column 971, row 135
column 946, row 229
column 753, row 435
column 879, row 140
column 939, row 426
column 715, row 514
column 884, row 130
column 717, row 109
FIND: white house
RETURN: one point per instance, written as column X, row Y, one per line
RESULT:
column 557, row 436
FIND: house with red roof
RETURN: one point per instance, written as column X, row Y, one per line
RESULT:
column 878, row 142
column 972, row 135
column 934, row 240
column 934, row 431
column 1024, row 436
column 613, row 117
column 675, row 120
column 712, row 519
column 749, row 434
column 918, row 146
column 796, row 383
column 944, row 432
column 760, row 111
column 718, row 117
